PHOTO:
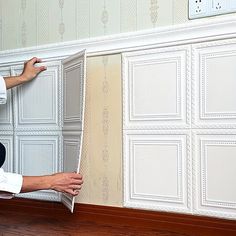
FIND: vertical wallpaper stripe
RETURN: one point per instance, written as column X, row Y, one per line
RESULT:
column 35, row 22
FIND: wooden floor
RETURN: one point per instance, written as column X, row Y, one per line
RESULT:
column 21, row 224
column 27, row 217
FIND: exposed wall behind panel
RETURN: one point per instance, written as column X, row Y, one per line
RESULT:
column 101, row 163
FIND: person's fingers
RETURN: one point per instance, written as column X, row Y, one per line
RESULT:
column 34, row 60
column 72, row 192
column 41, row 68
column 75, row 187
column 77, row 181
column 76, row 176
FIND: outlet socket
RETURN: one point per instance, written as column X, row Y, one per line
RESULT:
column 219, row 5
column 205, row 8
column 197, row 8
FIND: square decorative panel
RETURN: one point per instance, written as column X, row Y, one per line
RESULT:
column 156, row 170
column 214, row 97
column 214, row 172
column 38, row 103
column 157, row 86
column 38, row 153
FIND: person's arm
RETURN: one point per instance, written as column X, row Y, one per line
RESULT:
column 70, row 183
column 62, row 182
column 30, row 71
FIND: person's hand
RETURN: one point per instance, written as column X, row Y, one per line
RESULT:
column 67, row 183
column 30, row 71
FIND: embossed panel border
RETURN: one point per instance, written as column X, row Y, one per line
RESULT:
column 51, row 123
column 50, row 138
column 200, row 53
column 201, row 203
column 181, row 56
column 181, row 202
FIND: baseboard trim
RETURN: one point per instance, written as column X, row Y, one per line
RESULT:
column 179, row 223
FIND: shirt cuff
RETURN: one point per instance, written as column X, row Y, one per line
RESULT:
column 3, row 91
column 11, row 183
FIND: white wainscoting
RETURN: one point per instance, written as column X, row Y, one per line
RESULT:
column 169, row 90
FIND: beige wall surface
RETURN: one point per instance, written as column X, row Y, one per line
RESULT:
column 26, row 23
column 101, row 163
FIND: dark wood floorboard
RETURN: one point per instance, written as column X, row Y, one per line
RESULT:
column 20, row 224
column 36, row 218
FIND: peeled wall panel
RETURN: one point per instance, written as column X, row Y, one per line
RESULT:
column 70, row 150
column 73, row 90
column 74, row 82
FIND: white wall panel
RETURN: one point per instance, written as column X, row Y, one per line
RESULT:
column 38, row 153
column 157, row 86
column 214, row 173
column 156, row 170
column 6, row 121
column 214, row 97
column 38, row 103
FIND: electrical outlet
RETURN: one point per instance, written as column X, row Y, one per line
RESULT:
column 197, row 8
column 219, row 5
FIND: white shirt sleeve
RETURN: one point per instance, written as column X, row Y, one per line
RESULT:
column 10, row 182
column 3, row 91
